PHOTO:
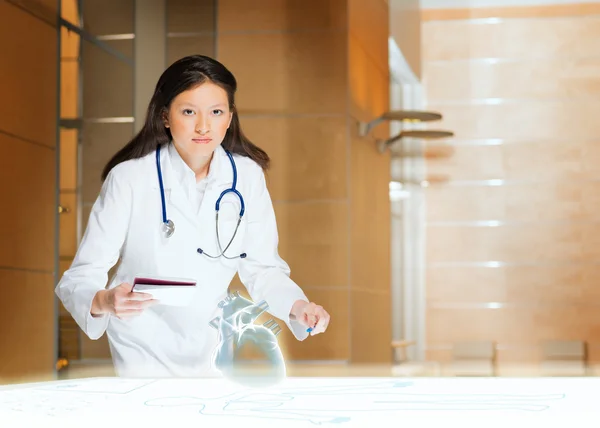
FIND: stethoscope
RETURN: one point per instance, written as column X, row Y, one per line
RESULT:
column 168, row 227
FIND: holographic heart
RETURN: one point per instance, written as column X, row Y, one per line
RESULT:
column 237, row 333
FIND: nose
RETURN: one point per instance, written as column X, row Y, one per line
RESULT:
column 203, row 124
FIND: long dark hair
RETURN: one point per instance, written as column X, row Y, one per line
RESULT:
column 184, row 74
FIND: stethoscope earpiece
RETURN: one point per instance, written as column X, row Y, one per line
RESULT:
column 241, row 256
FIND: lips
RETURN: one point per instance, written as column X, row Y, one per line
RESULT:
column 202, row 140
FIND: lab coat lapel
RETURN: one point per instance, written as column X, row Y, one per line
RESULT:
column 177, row 199
column 180, row 202
column 174, row 194
column 224, row 180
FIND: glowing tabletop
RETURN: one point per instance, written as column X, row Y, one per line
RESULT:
column 304, row 402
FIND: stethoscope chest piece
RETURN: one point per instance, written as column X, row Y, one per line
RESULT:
column 168, row 228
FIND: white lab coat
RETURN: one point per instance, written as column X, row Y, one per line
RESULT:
column 125, row 224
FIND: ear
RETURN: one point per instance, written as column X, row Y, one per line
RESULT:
column 165, row 119
column 231, row 113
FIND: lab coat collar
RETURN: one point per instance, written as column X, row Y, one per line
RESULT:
column 175, row 171
column 184, row 174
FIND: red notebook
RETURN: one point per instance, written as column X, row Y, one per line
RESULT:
column 168, row 291
column 163, row 281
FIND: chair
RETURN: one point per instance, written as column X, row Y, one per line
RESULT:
column 563, row 358
column 474, row 358
column 399, row 347
column 404, row 367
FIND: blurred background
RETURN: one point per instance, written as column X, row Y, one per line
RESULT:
column 433, row 171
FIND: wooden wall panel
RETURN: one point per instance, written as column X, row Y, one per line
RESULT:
column 104, row 17
column 369, row 177
column 369, row 88
column 28, row 336
column 30, row 68
column 371, row 326
column 179, row 47
column 307, row 71
column 185, row 16
column 281, row 15
column 370, row 220
column 28, row 237
column 369, row 24
column 298, row 72
column 319, row 257
column 292, row 98
column 28, row 170
column 296, row 146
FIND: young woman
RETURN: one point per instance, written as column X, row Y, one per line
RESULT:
column 171, row 201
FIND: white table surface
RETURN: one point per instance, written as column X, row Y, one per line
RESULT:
column 304, row 402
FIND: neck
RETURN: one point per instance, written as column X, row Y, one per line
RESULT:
column 200, row 165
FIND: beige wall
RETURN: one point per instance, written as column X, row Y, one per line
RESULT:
column 27, row 171
column 529, row 118
column 307, row 72
column 405, row 28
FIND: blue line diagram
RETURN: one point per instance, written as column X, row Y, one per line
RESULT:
column 338, row 404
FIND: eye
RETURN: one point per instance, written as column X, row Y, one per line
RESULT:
column 188, row 112
column 217, row 112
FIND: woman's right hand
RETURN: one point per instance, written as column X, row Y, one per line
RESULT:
column 121, row 302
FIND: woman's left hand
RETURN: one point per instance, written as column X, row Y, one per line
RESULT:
column 311, row 315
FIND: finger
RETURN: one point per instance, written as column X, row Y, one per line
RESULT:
column 310, row 320
column 149, row 303
column 127, row 304
column 136, row 295
column 323, row 321
column 322, row 324
column 125, row 286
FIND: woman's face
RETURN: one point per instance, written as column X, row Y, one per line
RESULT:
column 198, row 120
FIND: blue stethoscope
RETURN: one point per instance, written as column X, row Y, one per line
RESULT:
column 168, row 226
